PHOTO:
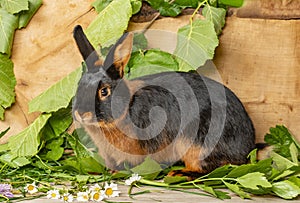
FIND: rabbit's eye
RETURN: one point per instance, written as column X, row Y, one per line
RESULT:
column 104, row 92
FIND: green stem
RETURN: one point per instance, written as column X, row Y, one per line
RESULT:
column 6, row 198
column 43, row 183
column 48, row 167
column 207, row 179
column 2, row 168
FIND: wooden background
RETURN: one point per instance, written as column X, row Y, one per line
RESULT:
column 259, row 59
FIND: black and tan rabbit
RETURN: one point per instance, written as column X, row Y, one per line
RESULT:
column 170, row 116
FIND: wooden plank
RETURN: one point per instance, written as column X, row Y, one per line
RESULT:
column 260, row 61
column 269, row 9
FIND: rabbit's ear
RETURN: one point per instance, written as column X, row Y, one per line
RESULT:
column 87, row 51
column 119, row 56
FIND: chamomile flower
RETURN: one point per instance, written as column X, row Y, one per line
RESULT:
column 67, row 197
column 111, row 190
column 53, row 194
column 97, row 196
column 83, row 196
column 31, row 188
column 95, row 188
column 134, row 178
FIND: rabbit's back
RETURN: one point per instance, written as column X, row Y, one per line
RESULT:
column 214, row 119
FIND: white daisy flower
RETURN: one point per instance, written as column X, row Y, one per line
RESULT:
column 95, row 188
column 134, row 178
column 67, row 197
column 97, row 196
column 83, row 196
column 111, row 190
column 31, row 188
column 53, row 194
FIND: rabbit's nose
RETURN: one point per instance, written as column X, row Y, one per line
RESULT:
column 85, row 116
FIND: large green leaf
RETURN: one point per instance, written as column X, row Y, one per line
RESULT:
column 196, row 42
column 110, row 24
column 252, row 180
column 165, row 8
column 286, row 189
column 57, row 96
column 7, row 84
column 150, row 62
column 237, row 190
column 149, row 169
column 14, row 6
column 26, row 142
column 216, row 15
column 8, row 24
column 26, row 16
column 13, row 161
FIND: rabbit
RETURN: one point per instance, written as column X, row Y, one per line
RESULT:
column 169, row 116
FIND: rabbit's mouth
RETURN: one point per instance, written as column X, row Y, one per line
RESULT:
column 85, row 118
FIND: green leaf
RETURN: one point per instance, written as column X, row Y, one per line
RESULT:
column 237, row 190
column 175, row 179
column 294, row 153
column 7, row 82
column 252, row 180
column 281, row 163
column 196, row 43
column 286, row 189
column 25, row 16
column 57, row 96
column 59, row 122
column 13, row 161
column 82, row 178
column 14, row 6
column 253, row 156
column 221, row 171
column 165, row 8
column 139, row 42
column 150, row 62
column 281, row 139
column 136, row 6
column 149, row 169
column 4, row 147
column 86, row 160
column 216, row 193
column 216, row 15
column 99, row 5
column 55, row 153
column 187, row 3
column 283, row 174
column 295, row 180
column 233, row 3
column 110, row 24
column 8, row 24
column 26, row 142
column 263, row 166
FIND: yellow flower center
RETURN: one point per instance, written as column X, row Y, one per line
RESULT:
column 65, row 198
column 30, row 187
column 96, row 196
column 85, row 197
column 109, row 191
column 53, row 195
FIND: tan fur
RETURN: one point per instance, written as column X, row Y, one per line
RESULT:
column 122, row 54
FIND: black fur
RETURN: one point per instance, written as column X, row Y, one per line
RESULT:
column 237, row 136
